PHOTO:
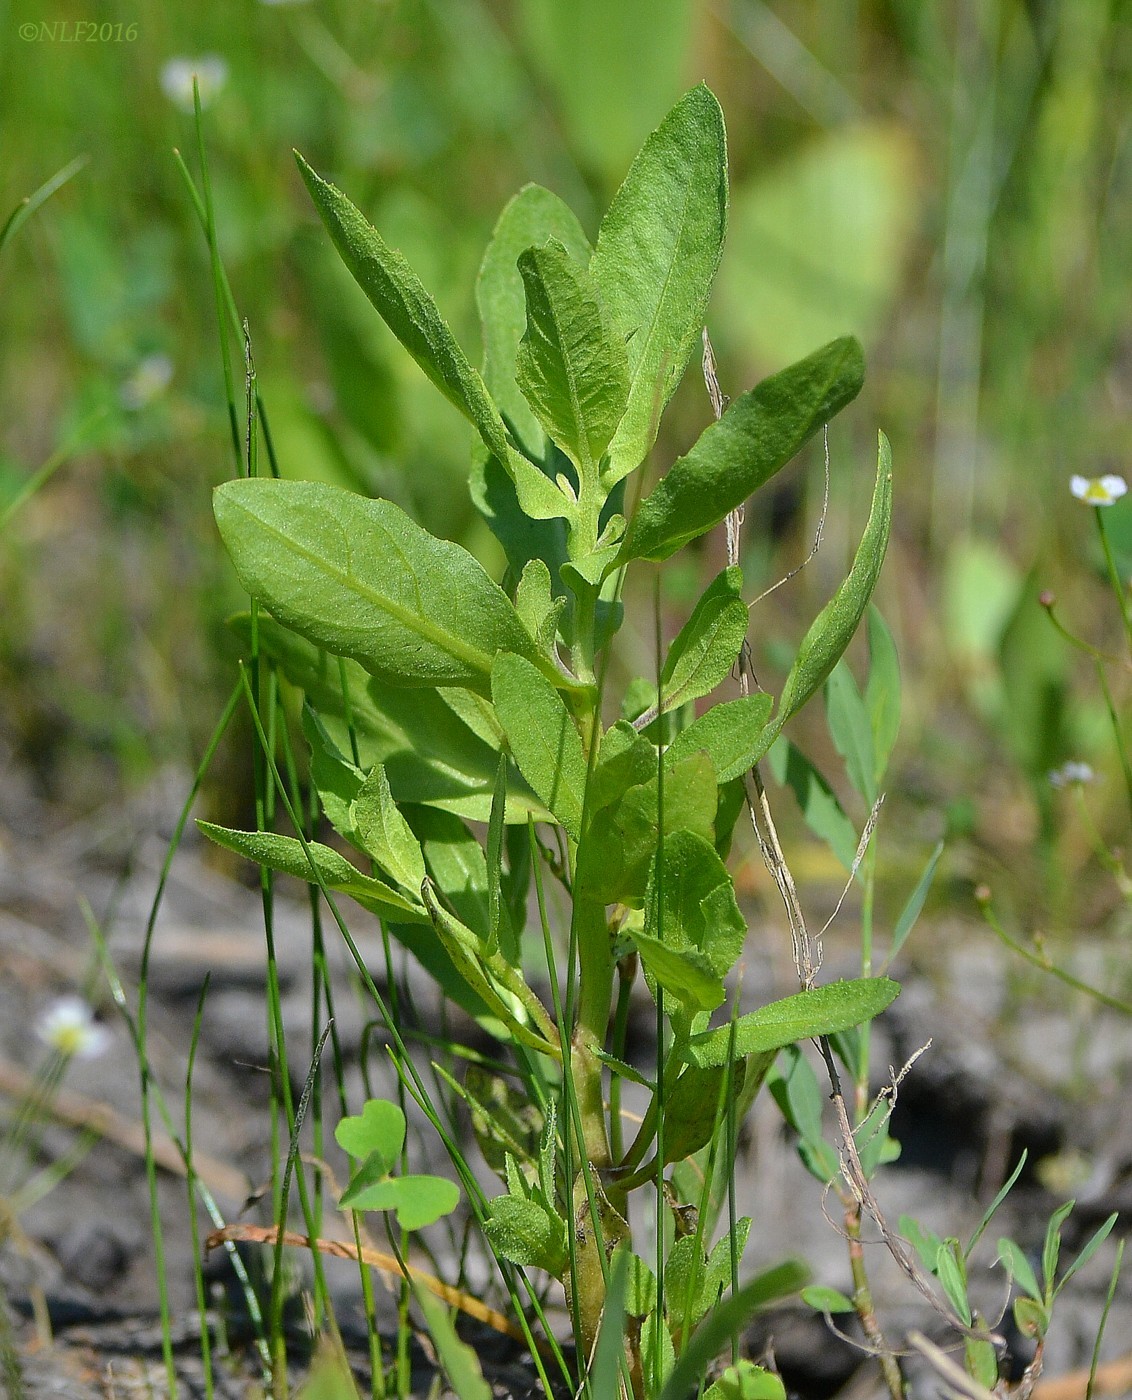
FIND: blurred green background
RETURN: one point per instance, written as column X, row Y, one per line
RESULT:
column 951, row 180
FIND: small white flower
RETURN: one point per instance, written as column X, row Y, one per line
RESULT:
column 1070, row 773
column 68, row 1025
column 1098, row 490
column 210, row 71
column 148, row 381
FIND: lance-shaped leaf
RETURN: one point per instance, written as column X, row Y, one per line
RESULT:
column 757, row 435
column 690, row 902
column 571, row 366
column 833, row 628
column 409, row 311
column 531, row 217
column 730, row 733
column 384, row 833
column 657, row 253
column 290, row 857
column 544, row 742
column 822, row 1011
column 704, row 650
column 358, row 577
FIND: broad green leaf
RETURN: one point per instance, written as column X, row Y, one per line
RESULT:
column 384, row 833
column 827, row 1300
column 544, row 742
column 571, row 366
column 287, row 855
column 522, row 536
column 882, row 690
column 377, row 1132
column 620, row 841
column 624, row 760
column 361, row 579
column 800, row 1017
column 685, row 973
column 851, row 730
column 417, row 1200
column 411, row 314
column 531, row 217
column 758, row 434
column 538, row 610
column 1031, row 1317
column 457, row 865
column 431, row 754
column 656, row 257
column 457, row 1359
column 981, row 1362
column 728, row 1318
column 833, row 628
column 746, row 1381
column 336, row 778
column 692, row 1110
column 690, row 902
column 822, row 811
column 911, row 911
column 704, row 650
column 524, row 1233
column 729, row 733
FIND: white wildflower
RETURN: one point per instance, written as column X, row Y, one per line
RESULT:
column 68, row 1025
column 1071, row 773
column 210, row 71
column 149, row 380
column 1098, row 490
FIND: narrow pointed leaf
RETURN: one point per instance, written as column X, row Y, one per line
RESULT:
column 911, row 911
column 358, row 577
column 851, row 730
column 821, row 1011
column 656, row 257
column 833, row 628
column 544, row 742
column 571, row 367
column 459, row 1361
column 822, row 811
column 758, row 434
column 704, row 650
column 285, row 854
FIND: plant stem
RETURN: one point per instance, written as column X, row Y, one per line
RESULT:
column 863, row 1301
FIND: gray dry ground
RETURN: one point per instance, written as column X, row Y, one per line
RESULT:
column 973, row 1099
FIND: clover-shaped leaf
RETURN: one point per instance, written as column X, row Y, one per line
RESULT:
column 375, row 1135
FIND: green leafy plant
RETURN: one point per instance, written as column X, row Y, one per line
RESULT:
column 436, row 697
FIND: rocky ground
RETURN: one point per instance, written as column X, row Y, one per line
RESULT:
column 1013, row 1063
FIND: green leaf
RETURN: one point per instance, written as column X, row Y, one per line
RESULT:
column 821, row 810
column 287, row 855
column 457, row 1359
column 827, row 1300
column 851, row 730
column 704, row 650
column 981, row 1361
column 687, row 1267
column 1001, row 1195
column 378, row 1132
column 624, row 760
column 796, row 1090
column 953, row 1279
column 800, row 1017
column 571, row 366
column 531, row 217
column 690, row 902
column 730, row 733
column 524, row 1233
column 503, row 1118
column 833, row 628
column 494, row 862
column 926, row 1243
column 911, row 911
column 417, row 1200
column 329, row 1377
column 359, row 578
column 746, row 1381
column 1032, row 1317
column 458, row 866
column 656, row 257
column 1019, row 1268
column 684, row 973
column 1052, row 1246
column 336, row 779
column 691, row 1112
column 1088, row 1251
column 384, row 833
column 727, row 1318
column 620, row 841
column 758, row 434
column 538, row 610
column 882, row 690
column 410, row 313
column 544, row 742
column 609, row 1353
